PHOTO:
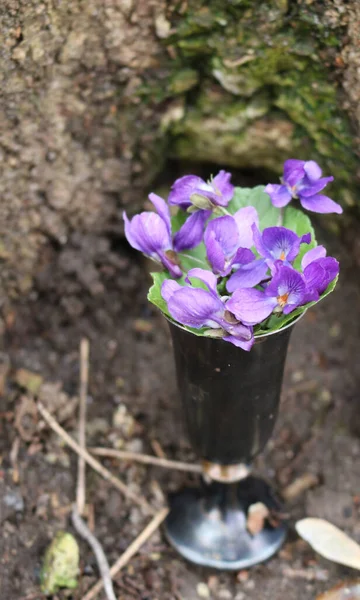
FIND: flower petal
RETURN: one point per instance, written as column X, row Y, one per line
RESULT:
column 194, row 307
column 250, row 306
column 162, row 209
column 288, row 285
column 245, row 218
column 170, row 261
column 222, row 241
column 279, row 194
column 240, row 343
column 205, row 276
column 221, row 183
column 248, row 275
column 191, row 233
column 319, row 273
column 168, row 288
column 310, row 188
column 321, row 204
column 312, row 170
column 280, row 243
column 147, row 232
column 293, row 171
column 183, row 188
column 313, row 254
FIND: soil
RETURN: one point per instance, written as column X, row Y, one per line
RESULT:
column 97, row 289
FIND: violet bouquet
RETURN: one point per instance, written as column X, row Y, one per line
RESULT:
column 237, row 262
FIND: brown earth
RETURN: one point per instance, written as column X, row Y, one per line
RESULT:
column 318, row 431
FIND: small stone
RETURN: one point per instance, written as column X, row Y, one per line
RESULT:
column 224, row 594
column 202, row 590
column 240, row 596
column 297, row 376
column 242, row 576
column 13, row 499
column 142, row 326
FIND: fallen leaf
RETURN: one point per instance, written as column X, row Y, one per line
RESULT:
column 330, row 541
column 348, row 590
column 26, row 418
column 299, row 485
column 256, row 516
column 28, row 380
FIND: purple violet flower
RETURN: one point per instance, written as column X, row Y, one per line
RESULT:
column 278, row 243
column 151, row 233
column 228, row 240
column 285, row 292
column 319, row 270
column 302, row 179
column 197, row 308
column 217, row 192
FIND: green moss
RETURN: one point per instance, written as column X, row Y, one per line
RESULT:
column 260, row 87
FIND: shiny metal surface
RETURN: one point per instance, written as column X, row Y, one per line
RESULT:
column 230, row 402
column 208, row 526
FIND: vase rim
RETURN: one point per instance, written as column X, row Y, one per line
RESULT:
column 257, row 337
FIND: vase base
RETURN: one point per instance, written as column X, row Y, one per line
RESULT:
column 208, row 526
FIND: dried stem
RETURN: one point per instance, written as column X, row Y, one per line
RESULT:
column 146, row 459
column 83, row 530
column 129, row 552
column 115, row 481
column 84, row 378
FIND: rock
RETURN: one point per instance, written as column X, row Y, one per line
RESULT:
column 202, row 590
column 61, row 564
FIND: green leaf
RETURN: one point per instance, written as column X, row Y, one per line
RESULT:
column 256, row 197
column 300, row 223
column 154, row 294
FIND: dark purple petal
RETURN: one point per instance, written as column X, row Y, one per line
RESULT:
column 240, row 343
column 191, row 233
column 205, row 276
column 168, row 288
column 279, row 194
column 221, row 183
column 312, row 170
column 222, row 241
column 313, row 254
column 321, row 204
column 183, row 188
column 280, row 243
column 293, row 171
column 258, row 241
column 250, row 306
column 287, row 287
column 194, row 307
column 245, row 218
column 170, row 262
column 243, row 256
column 310, row 188
column 319, row 273
column 162, row 209
column 248, row 275
column 148, row 233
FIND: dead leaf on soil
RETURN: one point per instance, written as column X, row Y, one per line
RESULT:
column 28, row 380
column 330, row 541
column 26, row 418
column 348, row 590
column 257, row 514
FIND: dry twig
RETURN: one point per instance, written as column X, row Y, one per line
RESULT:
column 115, row 481
column 101, row 559
column 129, row 552
column 146, row 459
column 84, row 378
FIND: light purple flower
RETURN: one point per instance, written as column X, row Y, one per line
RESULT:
column 151, row 233
column 278, row 243
column 228, row 240
column 302, row 179
column 218, row 191
column 197, row 308
column 319, row 270
column 285, row 292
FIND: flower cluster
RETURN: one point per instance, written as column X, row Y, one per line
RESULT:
column 242, row 280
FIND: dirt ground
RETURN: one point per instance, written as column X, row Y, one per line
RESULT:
column 97, row 288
